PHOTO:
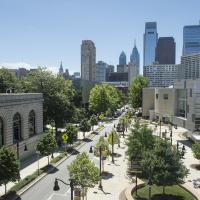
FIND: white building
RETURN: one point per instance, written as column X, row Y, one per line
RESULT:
column 21, row 122
column 161, row 75
column 88, row 60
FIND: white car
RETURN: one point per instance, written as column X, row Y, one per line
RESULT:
column 196, row 183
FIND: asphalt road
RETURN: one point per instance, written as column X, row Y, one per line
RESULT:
column 43, row 190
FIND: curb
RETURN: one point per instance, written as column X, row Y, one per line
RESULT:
column 39, row 178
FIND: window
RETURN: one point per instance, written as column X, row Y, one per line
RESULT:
column 165, row 96
column 190, row 92
column 17, row 136
column 156, row 96
column 1, row 132
column 31, row 123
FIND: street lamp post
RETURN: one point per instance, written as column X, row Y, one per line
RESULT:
column 100, row 158
column 56, row 186
column 123, row 126
column 112, row 147
column 171, row 135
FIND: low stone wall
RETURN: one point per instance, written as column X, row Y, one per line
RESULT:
column 129, row 190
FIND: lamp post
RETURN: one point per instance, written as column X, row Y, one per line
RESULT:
column 112, row 147
column 56, row 186
column 100, row 158
column 123, row 126
column 171, row 135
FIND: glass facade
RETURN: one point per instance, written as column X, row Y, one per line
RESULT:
column 150, row 42
column 122, row 58
column 101, row 71
column 182, row 101
column 191, row 39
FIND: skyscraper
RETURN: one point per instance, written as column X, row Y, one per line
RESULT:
column 191, row 39
column 61, row 71
column 135, row 58
column 166, row 50
column 122, row 58
column 88, row 60
column 150, row 41
column 101, row 71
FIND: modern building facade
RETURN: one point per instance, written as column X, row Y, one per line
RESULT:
column 161, row 75
column 109, row 69
column 118, row 77
column 150, row 42
column 101, row 71
column 135, row 58
column 122, row 58
column 133, row 72
column 166, row 50
column 88, row 60
column 21, row 122
column 191, row 39
column 190, row 67
column 179, row 105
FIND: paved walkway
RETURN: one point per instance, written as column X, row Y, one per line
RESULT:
column 189, row 160
column 116, row 180
column 33, row 166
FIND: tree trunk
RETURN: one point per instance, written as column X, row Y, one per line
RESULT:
column 84, row 135
column 5, row 188
column 163, row 189
column 48, row 160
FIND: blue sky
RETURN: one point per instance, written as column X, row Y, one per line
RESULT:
column 44, row 32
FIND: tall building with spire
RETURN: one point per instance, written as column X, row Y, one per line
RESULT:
column 122, row 58
column 135, row 58
column 61, row 71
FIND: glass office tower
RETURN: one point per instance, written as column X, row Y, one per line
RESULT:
column 191, row 39
column 150, row 41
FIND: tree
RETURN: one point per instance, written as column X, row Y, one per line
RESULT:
column 83, row 172
column 164, row 165
column 85, row 126
column 196, row 150
column 71, row 132
column 58, row 95
column 104, row 147
column 109, row 113
column 93, row 121
column 135, row 91
column 9, row 166
column 103, row 97
column 47, row 144
column 7, row 80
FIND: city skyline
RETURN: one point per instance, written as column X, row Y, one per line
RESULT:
column 45, row 39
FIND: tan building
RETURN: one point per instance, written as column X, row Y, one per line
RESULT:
column 21, row 122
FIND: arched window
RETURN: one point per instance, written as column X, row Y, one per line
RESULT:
column 31, row 123
column 1, row 132
column 17, row 134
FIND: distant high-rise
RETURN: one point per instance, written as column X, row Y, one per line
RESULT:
column 150, row 41
column 101, row 71
column 135, row 58
column 166, row 50
column 191, row 39
column 122, row 58
column 88, row 60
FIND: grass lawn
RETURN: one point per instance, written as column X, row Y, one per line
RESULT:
column 171, row 193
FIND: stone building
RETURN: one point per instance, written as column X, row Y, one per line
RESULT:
column 21, row 122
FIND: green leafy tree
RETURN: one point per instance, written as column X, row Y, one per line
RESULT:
column 164, row 164
column 58, row 95
column 83, row 172
column 9, row 166
column 104, row 147
column 196, row 150
column 135, row 91
column 103, row 97
column 101, row 117
column 85, row 126
column 7, row 80
column 115, row 136
column 93, row 121
column 72, row 133
column 47, row 145
column 109, row 113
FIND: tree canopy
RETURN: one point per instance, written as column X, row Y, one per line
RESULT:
column 72, row 133
column 9, row 166
column 58, row 94
column 196, row 150
column 135, row 91
column 103, row 97
column 83, row 172
column 85, row 126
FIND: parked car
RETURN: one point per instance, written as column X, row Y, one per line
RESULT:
column 196, row 183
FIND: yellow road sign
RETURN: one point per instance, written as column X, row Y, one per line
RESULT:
column 65, row 138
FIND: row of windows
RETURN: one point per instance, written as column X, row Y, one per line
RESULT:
column 17, row 130
column 165, row 96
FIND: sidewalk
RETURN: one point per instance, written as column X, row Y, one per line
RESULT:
column 189, row 160
column 33, row 166
column 116, row 180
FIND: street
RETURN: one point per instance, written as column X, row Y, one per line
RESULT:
column 43, row 190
